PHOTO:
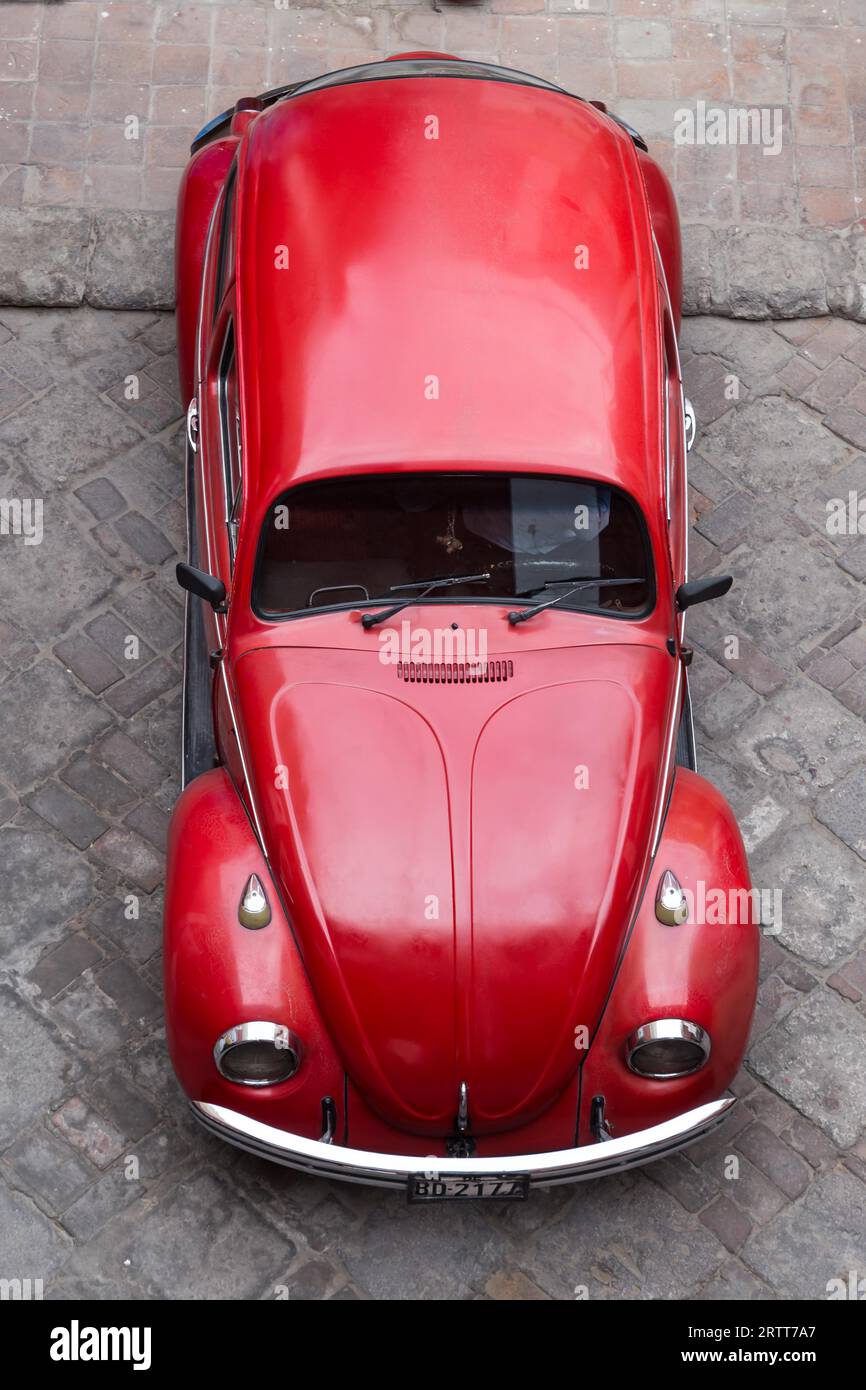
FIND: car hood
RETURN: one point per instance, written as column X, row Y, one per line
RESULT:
column 460, row 863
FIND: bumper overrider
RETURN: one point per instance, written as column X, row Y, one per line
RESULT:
column 394, row 1170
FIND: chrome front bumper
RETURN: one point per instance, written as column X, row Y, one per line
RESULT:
column 393, row 1170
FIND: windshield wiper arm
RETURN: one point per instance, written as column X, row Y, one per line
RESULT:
column 522, row 614
column 426, row 586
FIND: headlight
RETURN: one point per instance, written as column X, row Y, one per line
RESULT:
column 668, row 1048
column 258, row 1054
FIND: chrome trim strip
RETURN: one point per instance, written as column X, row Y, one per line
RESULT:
column 247, row 782
column 393, row 1170
column 670, row 753
column 688, row 706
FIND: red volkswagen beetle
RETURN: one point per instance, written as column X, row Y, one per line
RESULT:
column 434, row 909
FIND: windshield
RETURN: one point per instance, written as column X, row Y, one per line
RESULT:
column 357, row 540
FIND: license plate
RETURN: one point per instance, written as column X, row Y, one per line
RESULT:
column 492, row 1188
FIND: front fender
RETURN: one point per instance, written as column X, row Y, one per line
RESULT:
column 705, row 973
column 218, row 974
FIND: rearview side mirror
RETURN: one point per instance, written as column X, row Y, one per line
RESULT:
column 702, row 590
column 203, row 585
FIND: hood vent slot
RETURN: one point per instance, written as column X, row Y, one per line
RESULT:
column 454, row 672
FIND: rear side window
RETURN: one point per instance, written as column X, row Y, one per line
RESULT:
column 230, row 435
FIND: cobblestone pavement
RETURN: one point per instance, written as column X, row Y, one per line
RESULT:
column 73, row 75
column 89, row 740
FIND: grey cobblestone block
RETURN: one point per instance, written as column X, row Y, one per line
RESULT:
column 133, row 997
column 829, row 669
column 754, row 1193
column 850, row 980
column 756, row 668
column 57, row 581
column 160, row 625
column 726, row 708
column 163, row 371
column 852, row 693
column 150, row 822
column 813, row 1058
column 161, row 1151
column 454, row 1257
column 164, row 466
column 131, row 856
column 729, row 523
column 735, row 1283
column 67, row 813
column 58, row 719
column 512, row 1285
column 138, row 938
column 44, row 255
column 853, row 559
column 38, row 867
column 101, row 1203
column 12, row 393
column 113, row 633
column 727, row 1222
column 140, row 689
column 36, row 1070
column 849, row 424
column 132, row 263
column 819, row 1239
column 88, row 1132
column 152, row 409
column 692, row 1187
column 773, row 447
column 308, row 1282
column 812, row 869
column 99, row 785
column 48, row 1168
column 144, row 538
column 93, row 667
column 67, row 431
column 120, row 1102
column 809, row 1141
column 853, row 648
column 91, row 1018
column 785, row 1168
column 601, row 1243
column 197, row 1241
column 131, row 761
column 59, row 967
column 33, row 1246
column 806, row 736
column 842, row 808
column 101, row 498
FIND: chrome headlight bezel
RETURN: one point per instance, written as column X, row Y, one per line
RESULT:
column 673, row 1030
column 286, row 1046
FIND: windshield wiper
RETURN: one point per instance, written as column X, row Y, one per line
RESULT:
column 522, row 614
column 426, row 586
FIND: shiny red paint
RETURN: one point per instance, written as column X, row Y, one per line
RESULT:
column 455, row 256
column 199, row 189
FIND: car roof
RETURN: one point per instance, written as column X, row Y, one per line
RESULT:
column 439, row 271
